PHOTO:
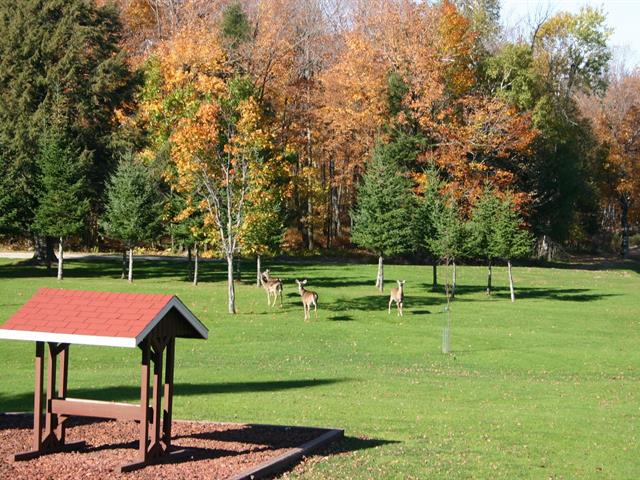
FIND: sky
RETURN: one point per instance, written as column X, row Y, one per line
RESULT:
column 622, row 15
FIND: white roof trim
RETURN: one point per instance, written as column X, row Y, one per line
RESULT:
column 129, row 342
column 184, row 311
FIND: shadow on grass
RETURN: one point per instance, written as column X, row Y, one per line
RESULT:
column 24, row 401
column 372, row 303
column 341, row 318
column 559, row 294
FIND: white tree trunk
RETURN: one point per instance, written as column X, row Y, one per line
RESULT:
column 489, row 279
column 60, row 259
column 513, row 295
column 230, row 286
column 380, row 276
column 259, row 272
column 195, row 264
column 131, row 265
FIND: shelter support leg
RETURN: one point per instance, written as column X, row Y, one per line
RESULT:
column 53, row 439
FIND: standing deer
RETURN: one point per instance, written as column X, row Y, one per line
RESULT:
column 397, row 295
column 273, row 286
column 308, row 298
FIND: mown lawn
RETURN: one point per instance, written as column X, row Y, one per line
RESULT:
column 547, row 387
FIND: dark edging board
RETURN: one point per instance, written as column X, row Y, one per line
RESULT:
column 287, row 460
column 278, row 464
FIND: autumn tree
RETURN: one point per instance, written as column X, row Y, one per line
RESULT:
column 382, row 217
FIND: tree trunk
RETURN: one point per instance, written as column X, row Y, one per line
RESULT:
column 624, row 218
column 190, row 272
column 124, row 265
column 513, row 295
column 195, row 265
column 131, row 265
column 230, row 286
column 380, row 276
column 258, row 271
column 434, row 285
column 489, row 278
column 60, row 259
column 453, row 280
column 43, row 253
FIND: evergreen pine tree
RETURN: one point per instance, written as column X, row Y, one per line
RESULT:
column 450, row 239
column 133, row 206
column 382, row 217
column 510, row 239
column 63, row 205
column 53, row 48
column 482, row 229
column 428, row 206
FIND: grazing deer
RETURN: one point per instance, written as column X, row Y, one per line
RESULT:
column 397, row 295
column 273, row 286
column 308, row 298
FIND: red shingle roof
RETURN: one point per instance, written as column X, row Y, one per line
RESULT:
column 110, row 316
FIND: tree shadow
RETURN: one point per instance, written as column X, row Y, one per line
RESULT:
column 557, row 294
column 371, row 303
column 124, row 393
column 341, row 318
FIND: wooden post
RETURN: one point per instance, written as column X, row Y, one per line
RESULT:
column 50, row 420
column 168, row 393
column 37, row 398
column 144, row 402
column 62, row 389
column 157, row 400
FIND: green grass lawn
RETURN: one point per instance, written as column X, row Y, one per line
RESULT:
column 547, row 387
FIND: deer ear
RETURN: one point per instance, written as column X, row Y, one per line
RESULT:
column 304, row 282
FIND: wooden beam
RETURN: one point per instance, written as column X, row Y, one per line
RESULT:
column 155, row 448
column 95, row 408
column 168, row 393
column 62, row 388
column 144, row 402
column 50, row 420
column 37, row 397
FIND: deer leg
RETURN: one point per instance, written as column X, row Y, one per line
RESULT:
column 399, row 305
column 315, row 309
column 389, row 309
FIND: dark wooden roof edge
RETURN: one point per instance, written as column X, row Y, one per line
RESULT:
column 176, row 303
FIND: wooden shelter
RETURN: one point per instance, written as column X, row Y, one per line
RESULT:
column 60, row 318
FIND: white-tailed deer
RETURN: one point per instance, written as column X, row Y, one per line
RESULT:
column 397, row 295
column 308, row 298
column 273, row 286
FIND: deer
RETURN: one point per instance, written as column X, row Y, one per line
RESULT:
column 397, row 295
column 271, row 286
column 308, row 298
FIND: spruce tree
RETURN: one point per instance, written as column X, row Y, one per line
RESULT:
column 511, row 240
column 450, row 239
column 51, row 49
column 382, row 219
column 62, row 205
column 482, row 229
column 428, row 207
column 133, row 206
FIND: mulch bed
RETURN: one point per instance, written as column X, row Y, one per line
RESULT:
column 216, row 450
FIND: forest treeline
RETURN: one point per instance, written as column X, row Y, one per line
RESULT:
column 248, row 126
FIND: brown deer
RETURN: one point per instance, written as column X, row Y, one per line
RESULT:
column 308, row 298
column 397, row 295
column 273, row 286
